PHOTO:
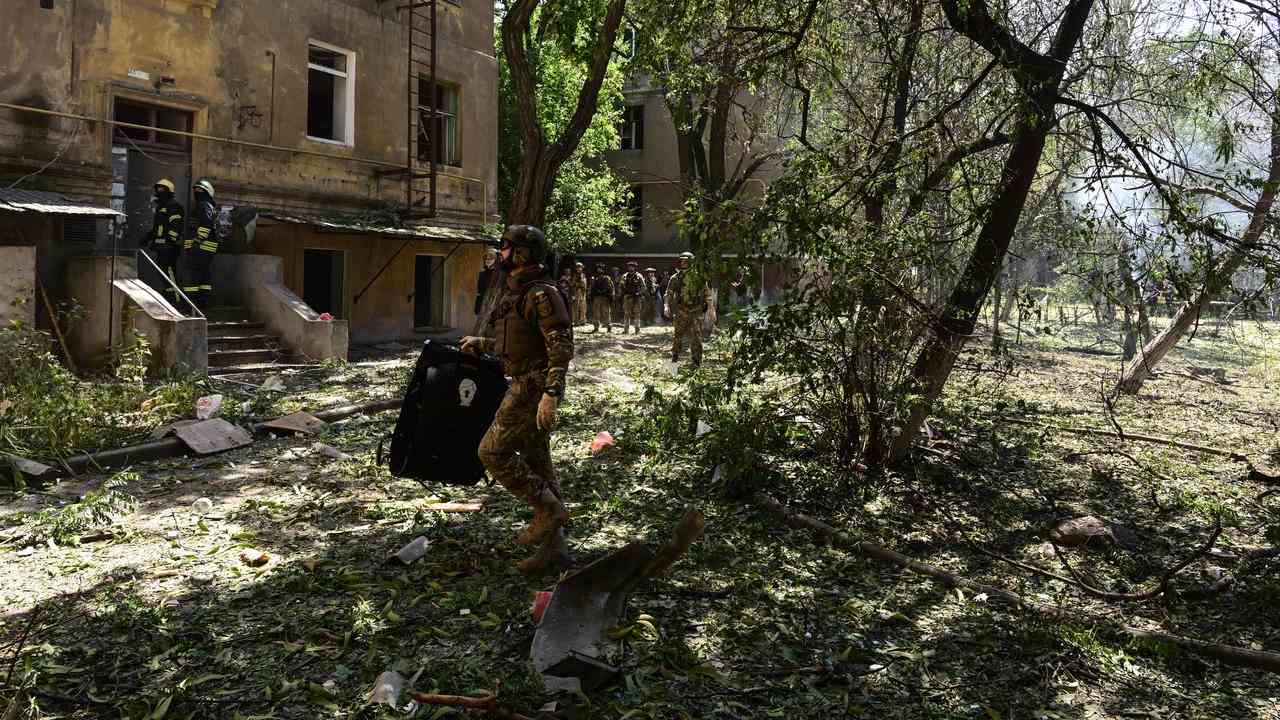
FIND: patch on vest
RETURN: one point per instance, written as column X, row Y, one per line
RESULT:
column 542, row 301
column 466, row 392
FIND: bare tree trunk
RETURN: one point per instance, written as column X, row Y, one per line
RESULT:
column 1154, row 351
column 541, row 158
column 995, row 314
column 1043, row 76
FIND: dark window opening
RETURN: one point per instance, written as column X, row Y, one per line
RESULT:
column 329, row 94
column 79, row 232
column 631, row 132
column 320, row 98
column 155, row 118
column 322, row 281
column 428, row 292
column 438, row 123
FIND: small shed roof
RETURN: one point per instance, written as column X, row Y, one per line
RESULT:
column 49, row 203
column 357, row 226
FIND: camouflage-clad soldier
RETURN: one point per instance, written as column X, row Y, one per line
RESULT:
column 533, row 334
column 601, row 300
column 653, row 300
column 578, row 284
column 634, row 289
column 615, row 274
column 686, row 302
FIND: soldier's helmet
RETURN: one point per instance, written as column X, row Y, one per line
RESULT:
column 528, row 237
column 686, row 255
column 579, row 265
column 632, row 263
column 651, row 270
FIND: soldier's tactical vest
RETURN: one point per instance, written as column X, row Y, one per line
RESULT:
column 601, row 287
column 517, row 341
column 633, row 284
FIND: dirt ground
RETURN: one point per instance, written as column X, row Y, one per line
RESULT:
column 159, row 616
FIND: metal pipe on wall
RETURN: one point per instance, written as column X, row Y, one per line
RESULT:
column 484, row 188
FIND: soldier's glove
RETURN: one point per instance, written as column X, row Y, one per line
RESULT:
column 547, row 412
column 472, row 344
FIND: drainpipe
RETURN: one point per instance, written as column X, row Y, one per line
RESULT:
column 271, row 131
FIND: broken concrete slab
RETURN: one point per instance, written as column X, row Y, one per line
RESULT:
column 1089, row 529
column 30, row 470
column 212, row 436
column 302, row 423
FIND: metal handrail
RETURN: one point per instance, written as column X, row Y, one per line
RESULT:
column 169, row 280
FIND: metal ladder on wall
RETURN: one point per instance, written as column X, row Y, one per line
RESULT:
column 419, row 173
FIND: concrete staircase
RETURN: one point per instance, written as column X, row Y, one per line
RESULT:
column 236, row 340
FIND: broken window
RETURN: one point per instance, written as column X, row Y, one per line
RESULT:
column 155, row 118
column 330, row 94
column 632, row 129
column 438, row 125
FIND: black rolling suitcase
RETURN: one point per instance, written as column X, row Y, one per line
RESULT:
column 450, row 403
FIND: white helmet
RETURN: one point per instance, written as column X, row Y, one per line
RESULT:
column 206, row 186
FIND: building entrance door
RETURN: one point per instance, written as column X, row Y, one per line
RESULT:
column 322, row 287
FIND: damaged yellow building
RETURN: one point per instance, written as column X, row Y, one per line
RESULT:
column 352, row 145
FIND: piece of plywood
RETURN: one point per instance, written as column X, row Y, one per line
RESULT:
column 303, row 423
column 212, row 436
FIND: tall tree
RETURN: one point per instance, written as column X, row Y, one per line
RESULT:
column 1228, row 86
column 586, row 32
column 577, row 25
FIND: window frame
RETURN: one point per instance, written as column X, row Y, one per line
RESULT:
column 635, row 210
column 439, row 87
column 348, row 96
column 636, row 139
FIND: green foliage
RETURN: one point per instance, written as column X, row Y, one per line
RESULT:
column 98, row 508
column 588, row 206
column 47, row 411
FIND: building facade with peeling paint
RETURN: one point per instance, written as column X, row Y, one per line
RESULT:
column 355, row 140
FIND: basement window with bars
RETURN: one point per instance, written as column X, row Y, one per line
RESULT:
column 330, row 94
column 438, row 136
column 632, row 129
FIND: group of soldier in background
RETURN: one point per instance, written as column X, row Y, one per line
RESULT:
column 633, row 297
column 639, row 298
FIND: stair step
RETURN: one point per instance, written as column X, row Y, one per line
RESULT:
column 228, row 328
column 225, row 313
column 242, row 342
column 225, row 358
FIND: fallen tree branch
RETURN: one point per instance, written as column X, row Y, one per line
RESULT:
column 1228, row 654
column 1130, row 436
column 1159, row 589
column 488, row 704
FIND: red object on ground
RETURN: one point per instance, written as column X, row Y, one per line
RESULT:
column 540, row 600
column 325, row 317
column 603, row 440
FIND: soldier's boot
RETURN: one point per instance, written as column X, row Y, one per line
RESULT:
column 548, row 515
column 553, row 556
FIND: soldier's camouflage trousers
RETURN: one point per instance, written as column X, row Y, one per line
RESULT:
column 602, row 312
column 687, row 325
column 514, row 451
column 632, row 307
column 580, row 308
